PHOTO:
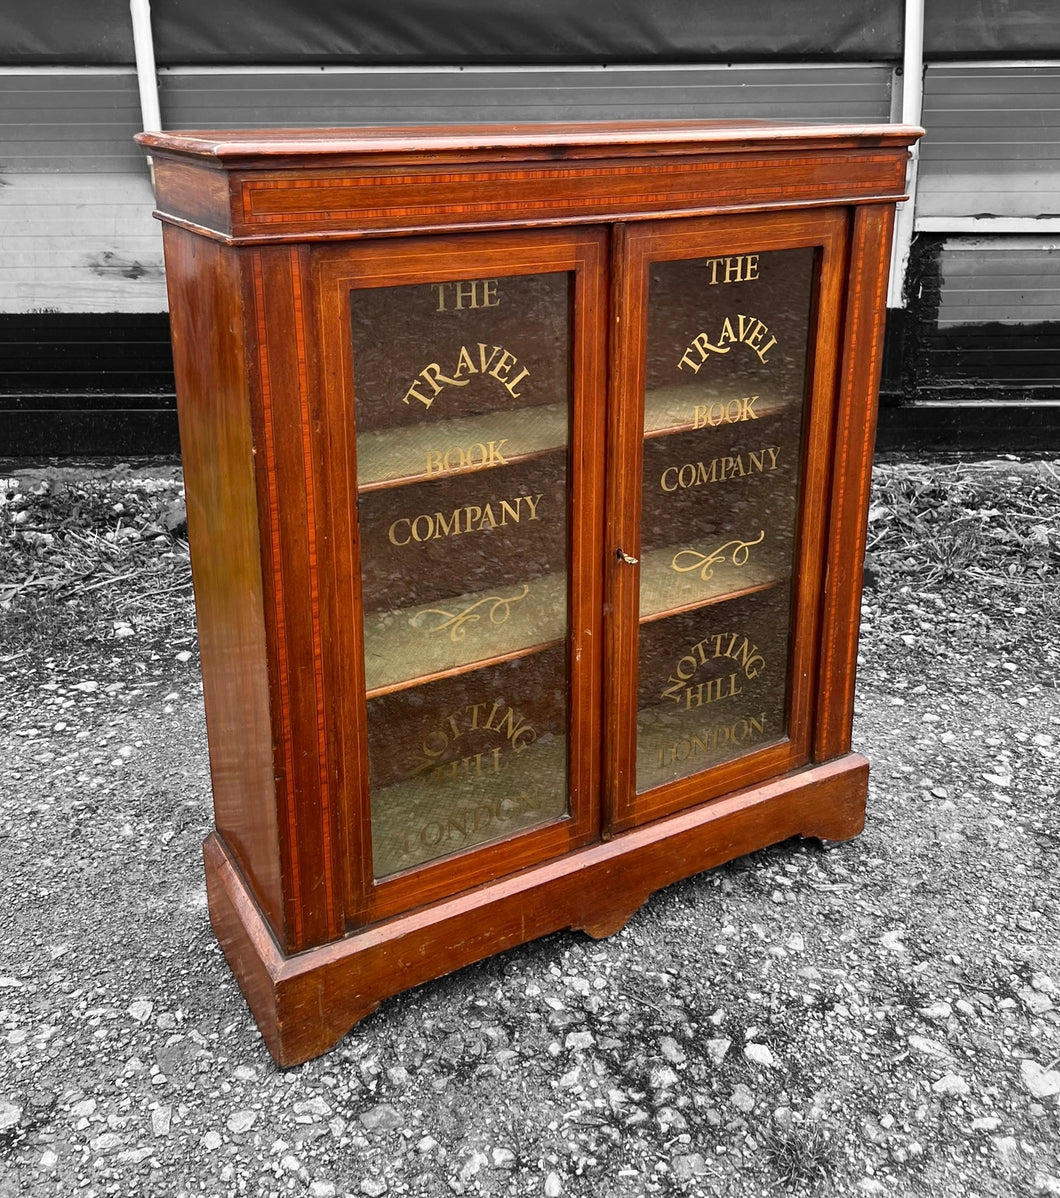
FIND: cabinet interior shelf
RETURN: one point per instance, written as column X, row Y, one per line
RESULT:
column 666, row 592
column 450, row 636
column 669, row 410
column 393, row 457
column 741, row 593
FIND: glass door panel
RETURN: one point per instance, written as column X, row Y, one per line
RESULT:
column 725, row 388
column 462, row 391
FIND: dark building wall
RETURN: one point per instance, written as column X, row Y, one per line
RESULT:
column 973, row 361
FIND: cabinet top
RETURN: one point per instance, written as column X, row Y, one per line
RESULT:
column 291, row 185
column 265, row 149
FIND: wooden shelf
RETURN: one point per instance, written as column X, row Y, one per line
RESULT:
column 417, row 644
column 396, row 456
column 679, row 577
column 673, row 409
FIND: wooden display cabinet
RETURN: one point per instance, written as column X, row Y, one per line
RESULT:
column 527, row 471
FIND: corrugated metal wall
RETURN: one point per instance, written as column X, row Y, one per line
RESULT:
column 77, row 230
column 82, row 295
column 193, row 99
column 82, row 304
column 986, row 328
column 1012, row 280
column 76, row 210
column 992, row 146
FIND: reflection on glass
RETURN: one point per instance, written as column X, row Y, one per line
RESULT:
column 725, row 394
column 467, row 760
column 712, row 684
column 462, row 403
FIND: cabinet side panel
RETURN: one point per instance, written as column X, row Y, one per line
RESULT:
column 218, row 456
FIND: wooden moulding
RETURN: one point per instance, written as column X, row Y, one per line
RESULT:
column 306, row 1002
column 299, row 185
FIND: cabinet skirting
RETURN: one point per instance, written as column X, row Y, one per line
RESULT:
column 305, row 1003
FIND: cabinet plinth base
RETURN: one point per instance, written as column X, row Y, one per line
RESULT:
column 305, row 1003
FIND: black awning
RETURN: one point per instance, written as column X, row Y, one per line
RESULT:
column 512, row 32
column 453, row 32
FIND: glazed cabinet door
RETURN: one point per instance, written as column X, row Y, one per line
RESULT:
column 725, row 356
column 471, row 380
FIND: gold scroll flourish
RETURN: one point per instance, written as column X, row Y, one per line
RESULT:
column 499, row 609
column 705, row 562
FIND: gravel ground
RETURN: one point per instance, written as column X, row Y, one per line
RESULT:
column 878, row 1017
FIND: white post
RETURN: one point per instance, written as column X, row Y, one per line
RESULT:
column 146, row 75
column 912, row 110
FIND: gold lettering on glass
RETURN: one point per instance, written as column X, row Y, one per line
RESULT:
column 748, row 330
column 720, row 470
column 462, row 396
column 497, row 608
column 741, row 732
column 686, row 561
column 480, row 456
column 472, row 518
column 739, row 268
column 498, row 363
column 461, row 294
column 734, row 412
column 724, row 646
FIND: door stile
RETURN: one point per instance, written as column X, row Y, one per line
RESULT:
column 335, row 375
column 592, row 307
column 855, row 436
column 622, row 566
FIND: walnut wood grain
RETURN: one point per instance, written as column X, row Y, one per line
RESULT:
column 376, row 201
column 214, row 410
column 288, row 477
column 244, row 148
column 194, row 196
